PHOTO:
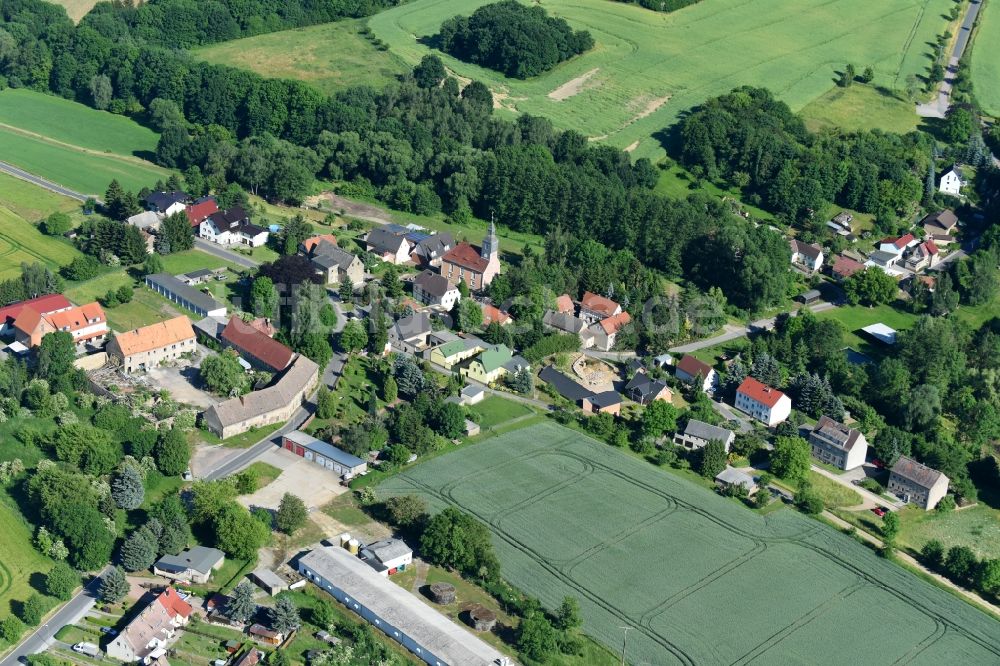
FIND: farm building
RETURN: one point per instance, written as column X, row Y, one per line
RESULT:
column 836, row 444
column 194, row 565
column 387, row 556
column 563, row 385
column 256, row 347
column 187, row 297
column 416, row 626
column 697, row 434
column 766, row 404
column 147, row 347
column 268, row 581
column 731, row 476
column 323, row 454
column 917, row 484
column 43, row 305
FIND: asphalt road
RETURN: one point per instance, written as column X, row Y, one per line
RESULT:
column 12, row 170
column 74, row 609
column 223, row 253
column 734, row 332
column 938, row 107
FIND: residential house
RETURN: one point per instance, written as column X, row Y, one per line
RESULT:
column 924, row 255
column 387, row 556
column 232, row 227
column 432, row 289
column 147, row 220
column 262, row 634
column 400, row 615
column 167, row 203
column 605, row 402
column 475, row 266
column 199, row 211
column 430, row 251
column 689, row 369
column 564, row 305
column 332, row 262
column 411, row 330
column 764, row 403
column 594, row 308
column 952, row 181
column 454, row 352
column 323, row 454
column 883, row 260
column 251, row 657
column 567, row 322
column 844, row 267
column 697, row 435
column 644, row 390
column 943, row 222
column 146, row 347
column 148, row 633
column 836, row 444
column 86, row 323
column 807, row 255
column 193, row 565
column 273, row 404
column 256, row 347
column 387, row 245
column 731, row 476
column 605, row 331
column 492, row 313
column 917, row 484
column 897, row 246
column 489, row 366
column 43, row 305
column 187, row 297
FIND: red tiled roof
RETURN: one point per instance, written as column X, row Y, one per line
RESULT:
column 615, row 322
column 930, row 247
column 466, row 256
column 900, row 242
column 312, row 242
column 249, row 340
column 199, row 211
column 78, row 317
column 564, row 303
column 599, row 304
column 175, row 606
column 492, row 313
column 694, row 367
column 846, row 267
column 759, row 392
column 42, row 305
column 27, row 320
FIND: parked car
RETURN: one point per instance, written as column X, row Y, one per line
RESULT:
column 109, row 631
column 878, row 511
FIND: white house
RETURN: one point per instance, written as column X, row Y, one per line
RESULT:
column 232, row 227
column 768, row 405
column 432, row 289
column 897, row 246
column 836, row 444
column 167, row 203
column 952, row 181
column 688, row 368
column 807, row 255
column 387, row 556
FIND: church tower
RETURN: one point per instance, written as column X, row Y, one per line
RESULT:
column 491, row 245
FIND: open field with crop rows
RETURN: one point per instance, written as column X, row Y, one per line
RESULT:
column 648, row 67
column 699, row 578
column 986, row 59
column 21, row 241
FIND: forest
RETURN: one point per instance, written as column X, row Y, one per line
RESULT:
column 512, row 38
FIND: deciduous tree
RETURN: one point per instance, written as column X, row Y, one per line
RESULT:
column 291, row 514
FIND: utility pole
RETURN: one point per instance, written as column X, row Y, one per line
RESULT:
column 624, row 643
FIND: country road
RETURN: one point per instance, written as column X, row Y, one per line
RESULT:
column 12, row 170
column 733, row 331
column 225, row 253
column 938, row 107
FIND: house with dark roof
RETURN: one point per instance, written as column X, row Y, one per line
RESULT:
column 730, row 477
column 331, row 262
column 430, row 250
column 952, row 181
column 836, row 444
column 232, row 227
column 193, row 565
column 806, row 255
column 567, row 322
column 643, row 389
column 167, row 203
column 254, row 346
column 605, row 402
column 918, row 484
column 689, row 369
column 764, row 403
column 388, row 245
column 411, row 330
column 432, row 289
column 563, row 385
column 697, row 435
column 387, row 556
column 475, row 266
column 941, row 222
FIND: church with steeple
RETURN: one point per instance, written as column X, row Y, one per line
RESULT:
column 476, row 266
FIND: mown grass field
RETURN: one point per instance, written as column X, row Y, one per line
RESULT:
column 494, row 411
column 860, row 107
column 649, row 550
column 986, row 58
column 977, row 527
column 32, row 202
column 19, row 561
column 648, row 67
column 331, row 56
column 21, row 241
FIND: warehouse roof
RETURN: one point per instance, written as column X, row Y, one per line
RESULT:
column 328, row 451
column 171, row 284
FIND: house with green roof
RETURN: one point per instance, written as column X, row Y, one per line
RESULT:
column 489, row 366
column 454, row 352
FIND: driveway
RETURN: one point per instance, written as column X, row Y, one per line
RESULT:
column 315, row 485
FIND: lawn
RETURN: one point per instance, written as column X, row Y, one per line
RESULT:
column 31, row 202
column 345, row 510
column 145, row 308
column 977, row 527
column 495, row 410
column 331, row 56
column 81, row 126
column 856, row 317
column 986, row 59
column 192, row 260
column 21, row 241
column 649, row 67
column 832, row 493
column 265, row 473
column 20, row 564
column 860, row 107
column 646, row 549
column 241, row 441
column 676, row 182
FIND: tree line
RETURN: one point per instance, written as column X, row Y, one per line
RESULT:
column 519, row 40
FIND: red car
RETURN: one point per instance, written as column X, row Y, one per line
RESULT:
column 878, row 463
column 878, row 511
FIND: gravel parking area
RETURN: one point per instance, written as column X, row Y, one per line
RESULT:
column 313, row 484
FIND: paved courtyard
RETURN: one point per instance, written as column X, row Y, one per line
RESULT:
column 315, row 485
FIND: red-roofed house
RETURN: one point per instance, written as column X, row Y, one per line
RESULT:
column 768, row 405
column 594, row 308
column 256, row 347
column 43, row 305
column 606, row 330
column 896, row 245
column 475, row 266
column 146, row 636
column 845, row 267
column 199, row 211
column 492, row 313
column 923, row 256
column 86, row 323
column 564, row 304
column 688, row 368
column 307, row 246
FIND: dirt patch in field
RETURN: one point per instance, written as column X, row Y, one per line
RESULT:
column 573, row 86
column 632, row 146
column 650, row 108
